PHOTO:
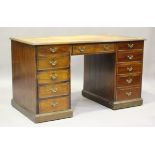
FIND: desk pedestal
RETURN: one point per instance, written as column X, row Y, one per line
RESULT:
column 101, row 84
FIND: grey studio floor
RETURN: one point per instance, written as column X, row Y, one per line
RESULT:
column 86, row 112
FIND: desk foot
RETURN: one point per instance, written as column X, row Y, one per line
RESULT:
column 38, row 118
column 127, row 104
column 110, row 104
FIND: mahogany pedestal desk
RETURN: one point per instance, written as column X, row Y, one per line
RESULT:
column 41, row 73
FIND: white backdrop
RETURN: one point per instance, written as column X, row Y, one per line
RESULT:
column 79, row 104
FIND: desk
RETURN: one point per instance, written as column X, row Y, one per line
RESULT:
column 41, row 73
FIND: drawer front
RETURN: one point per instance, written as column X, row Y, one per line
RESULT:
column 53, row 105
column 48, row 51
column 127, row 56
column 126, row 80
column 130, row 45
column 128, row 93
column 129, row 68
column 92, row 48
column 54, row 63
column 53, row 76
column 53, row 90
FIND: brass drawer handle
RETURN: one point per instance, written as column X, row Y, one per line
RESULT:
column 128, row 93
column 82, row 49
column 130, row 45
column 53, row 49
column 54, row 76
column 54, row 90
column 129, row 81
column 54, row 104
column 130, row 68
column 53, row 62
column 107, row 46
column 130, row 57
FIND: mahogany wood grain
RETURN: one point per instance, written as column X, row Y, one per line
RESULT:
column 128, row 80
column 49, row 51
column 92, row 48
column 62, row 61
column 53, row 76
column 54, row 105
column 130, row 55
column 52, row 90
column 99, row 74
column 126, row 68
column 24, row 76
column 128, row 93
column 130, row 45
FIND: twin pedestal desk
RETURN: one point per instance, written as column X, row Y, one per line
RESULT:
column 41, row 73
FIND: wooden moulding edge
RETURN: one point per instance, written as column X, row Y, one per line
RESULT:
column 97, row 98
column 127, row 103
column 39, row 118
column 114, row 105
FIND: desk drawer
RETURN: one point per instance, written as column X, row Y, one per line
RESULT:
column 54, row 63
column 53, row 105
column 127, row 56
column 53, row 76
column 128, row 80
column 129, row 68
column 130, row 45
column 49, row 51
column 53, row 90
column 92, row 48
column 128, row 93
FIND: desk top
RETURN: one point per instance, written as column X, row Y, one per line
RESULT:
column 75, row 39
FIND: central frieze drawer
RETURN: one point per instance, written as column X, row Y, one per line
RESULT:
column 53, row 105
column 53, row 90
column 93, row 48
